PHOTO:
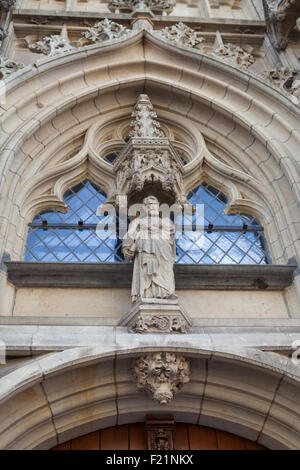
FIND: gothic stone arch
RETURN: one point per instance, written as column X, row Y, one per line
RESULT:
column 67, row 394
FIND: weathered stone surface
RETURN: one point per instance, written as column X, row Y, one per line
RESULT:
column 150, row 242
column 148, row 160
column 8, row 67
column 157, row 6
column 156, row 316
column 161, row 375
column 187, row 276
column 280, row 16
column 285, row 79
column 234, row 55
column 105, row 30
column 182, row 35
column 51, row 45
column 7, row 4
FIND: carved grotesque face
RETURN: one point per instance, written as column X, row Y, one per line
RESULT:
column 161, row 374
column 152, row 205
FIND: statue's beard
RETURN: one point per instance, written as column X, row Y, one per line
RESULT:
column 154, row 213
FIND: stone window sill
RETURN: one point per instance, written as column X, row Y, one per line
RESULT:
column 187, row 276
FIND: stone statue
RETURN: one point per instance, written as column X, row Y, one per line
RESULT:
column 150, row 242
column 160, row 440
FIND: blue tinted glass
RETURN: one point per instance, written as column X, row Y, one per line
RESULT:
column 82, row 201
column 69, row 244
column 219, row 246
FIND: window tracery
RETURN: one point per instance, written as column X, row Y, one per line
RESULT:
column 71, row 237
column 226, row 239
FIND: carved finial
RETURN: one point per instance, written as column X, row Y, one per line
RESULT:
column 145, row 124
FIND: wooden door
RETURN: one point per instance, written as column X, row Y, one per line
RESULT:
column 134, row 437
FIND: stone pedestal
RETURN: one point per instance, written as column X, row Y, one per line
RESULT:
column 156, row 316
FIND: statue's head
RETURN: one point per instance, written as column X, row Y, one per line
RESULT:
column 152, row 205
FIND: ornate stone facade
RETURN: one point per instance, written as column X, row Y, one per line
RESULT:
column 51, row 45
column 8, row 66
column 159, row 316
column 161, row 375
column 281, row 16
column 157, row 6
column 106, row 30
column 287, row 80
column 160, row 440
column 7, row 4
column 159, row 324
column 145, row 123
column 234, row 55
column 68, row 349
column 149, row 158
column 182, row 35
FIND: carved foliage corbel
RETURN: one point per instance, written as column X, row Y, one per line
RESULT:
column 161, row 375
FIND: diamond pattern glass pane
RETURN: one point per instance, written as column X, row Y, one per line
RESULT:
column 56, row 236
column 57, row 241
column 225, row 239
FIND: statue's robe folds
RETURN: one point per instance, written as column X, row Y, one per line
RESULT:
column 153, row 249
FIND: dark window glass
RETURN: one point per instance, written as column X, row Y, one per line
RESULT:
column 111, row 157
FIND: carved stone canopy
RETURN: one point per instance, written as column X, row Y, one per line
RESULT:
column 161, row 375
column 148, row 164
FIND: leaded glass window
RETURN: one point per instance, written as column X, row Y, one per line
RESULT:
column 71, row 236
column 226, row 239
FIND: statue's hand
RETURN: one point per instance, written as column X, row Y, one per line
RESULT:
column 128, row 254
